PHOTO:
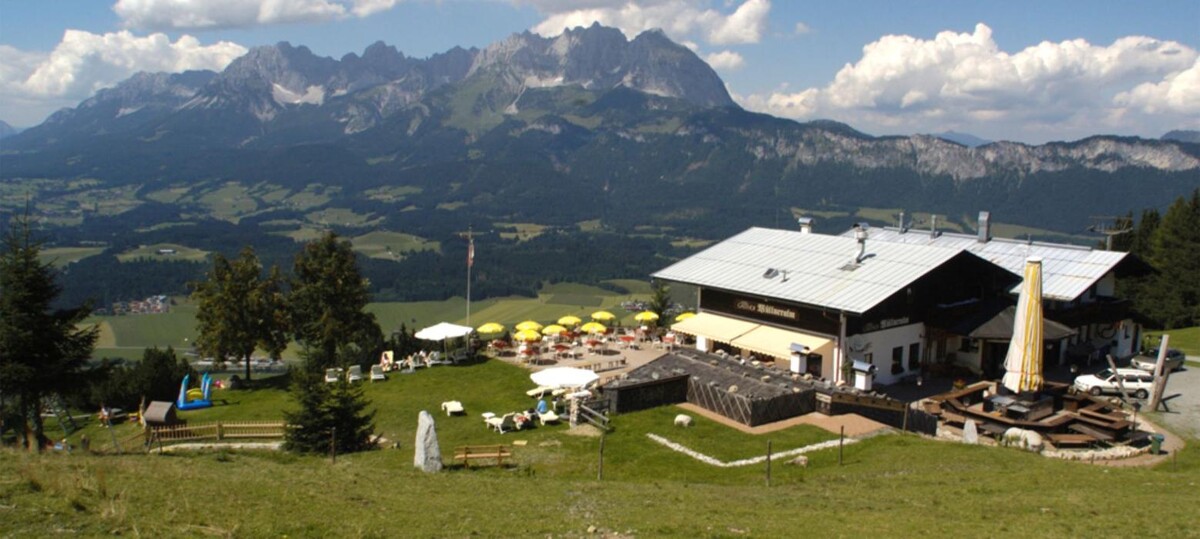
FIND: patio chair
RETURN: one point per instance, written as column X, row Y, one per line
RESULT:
column 354, row 374
column 548, row 417
column 502, row 424
column 537, row 392
column 377, row 373
column 332, row 375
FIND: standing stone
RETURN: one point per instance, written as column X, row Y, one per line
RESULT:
column 970, row 433
column 428, row 455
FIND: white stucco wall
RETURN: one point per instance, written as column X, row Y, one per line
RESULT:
column 881, row 344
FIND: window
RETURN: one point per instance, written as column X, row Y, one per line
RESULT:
column 914, row 356
column 898, row 360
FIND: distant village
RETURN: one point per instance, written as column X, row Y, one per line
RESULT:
column 152, row 305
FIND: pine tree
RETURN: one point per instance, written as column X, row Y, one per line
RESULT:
column 1173, row 296
column 238, row 310
column 327, row 305
column 41, row 349
column 328, row 412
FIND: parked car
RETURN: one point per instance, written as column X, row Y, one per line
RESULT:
column 1138, row 383
column 1146, row 362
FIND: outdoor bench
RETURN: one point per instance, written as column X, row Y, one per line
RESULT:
column 468, row 453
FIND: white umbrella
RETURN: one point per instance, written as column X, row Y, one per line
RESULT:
column 559, row 377
column 443, row 331
column 1023, row 364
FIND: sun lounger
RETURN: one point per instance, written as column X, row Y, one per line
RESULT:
column 354, row 374
column 548, row 417
column 452, row 407
column 332, row 375
column 377, row 373
column 502, row 424
column 539, row 391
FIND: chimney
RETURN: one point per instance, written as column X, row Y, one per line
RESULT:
column 985, row 227
column 806, row 225
column 860, row 234
column 903, row 229
column 933, row 233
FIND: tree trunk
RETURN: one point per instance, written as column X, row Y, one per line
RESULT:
column 246, row 358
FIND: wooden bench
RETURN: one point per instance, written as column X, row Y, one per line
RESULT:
column 466, row 454
column 1064, row 440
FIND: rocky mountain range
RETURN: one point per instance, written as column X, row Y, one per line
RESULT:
column 533, row 116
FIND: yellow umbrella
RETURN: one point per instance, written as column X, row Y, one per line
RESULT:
column 603, row 315
column 569, row 320
column 490, row 328
column 593, row 327
column 646, row 316
column 529, row 324
column 553, row 329
column 684, row 316
column 527, row 335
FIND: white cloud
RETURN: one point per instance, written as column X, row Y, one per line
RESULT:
column 203, row 14
column 34, row 84
column 680, row 19
column 963, row 81
column 725, row 60
column 802, row 28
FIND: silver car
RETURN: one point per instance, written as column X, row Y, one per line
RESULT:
column 1173, row 361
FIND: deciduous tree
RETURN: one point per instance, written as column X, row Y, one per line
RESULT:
column 239, row 310
column 327, row 305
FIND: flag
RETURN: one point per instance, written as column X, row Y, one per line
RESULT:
column 470, row 252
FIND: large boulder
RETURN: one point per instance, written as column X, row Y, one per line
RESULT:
column 427, row 455
column 683, row 420
column 970, row 432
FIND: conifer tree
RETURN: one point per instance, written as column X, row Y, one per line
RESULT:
column 41, row 348
column 327, row 305
column 1173, row 296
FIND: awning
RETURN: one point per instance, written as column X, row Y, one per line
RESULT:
column 776, row 342
column 714, row 327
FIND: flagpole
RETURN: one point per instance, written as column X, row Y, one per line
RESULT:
column 470, row 262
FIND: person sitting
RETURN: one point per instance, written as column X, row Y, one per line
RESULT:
column 542, row 407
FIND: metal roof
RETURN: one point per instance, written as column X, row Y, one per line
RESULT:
column 811, row 268
column 1067, row 270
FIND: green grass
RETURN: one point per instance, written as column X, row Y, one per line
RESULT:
column 889, row 486
column 61, row 256
column 1186, row 339
column 182, row 252
column 391, row 245
column 229, row 202
column 342, row 217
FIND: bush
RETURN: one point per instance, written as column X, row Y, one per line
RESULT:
column 156, row 377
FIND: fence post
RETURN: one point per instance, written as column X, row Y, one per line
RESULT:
column 220, row 431
column 904, row 429
column 841, row 443
column 768, row 463
column 600, row 468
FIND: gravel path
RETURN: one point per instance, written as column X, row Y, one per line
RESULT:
column 1184, row 417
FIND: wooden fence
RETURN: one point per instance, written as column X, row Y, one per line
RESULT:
column 890, row 412
column 217, row 431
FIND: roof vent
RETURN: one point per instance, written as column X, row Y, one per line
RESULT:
column 806, row 225
column 903, row 227
column 860, row 234
column 985, row 227
column 933, row 231
column 771, row 273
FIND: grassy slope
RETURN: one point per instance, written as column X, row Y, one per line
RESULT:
column 1186, row 339
column 889, row 486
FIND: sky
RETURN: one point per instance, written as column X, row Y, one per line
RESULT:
column 1029, row 71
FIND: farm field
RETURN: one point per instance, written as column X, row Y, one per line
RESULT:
column 890, row 485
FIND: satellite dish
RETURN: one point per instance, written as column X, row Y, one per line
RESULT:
column 857, row 344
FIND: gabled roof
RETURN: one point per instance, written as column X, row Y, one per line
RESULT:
column 1067, row 270
column 811, row 269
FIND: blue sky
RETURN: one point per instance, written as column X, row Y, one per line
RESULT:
column 1016, row 70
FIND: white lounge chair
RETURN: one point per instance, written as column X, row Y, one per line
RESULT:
column 332, row 375
column 452, row 407
column 502, row 424
column 377, row 373
column 548, row 417
column 539, row 391
column 354, row 374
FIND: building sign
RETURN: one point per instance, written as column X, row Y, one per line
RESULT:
column 769, row 311
column 885, row 324
column 763, row 308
